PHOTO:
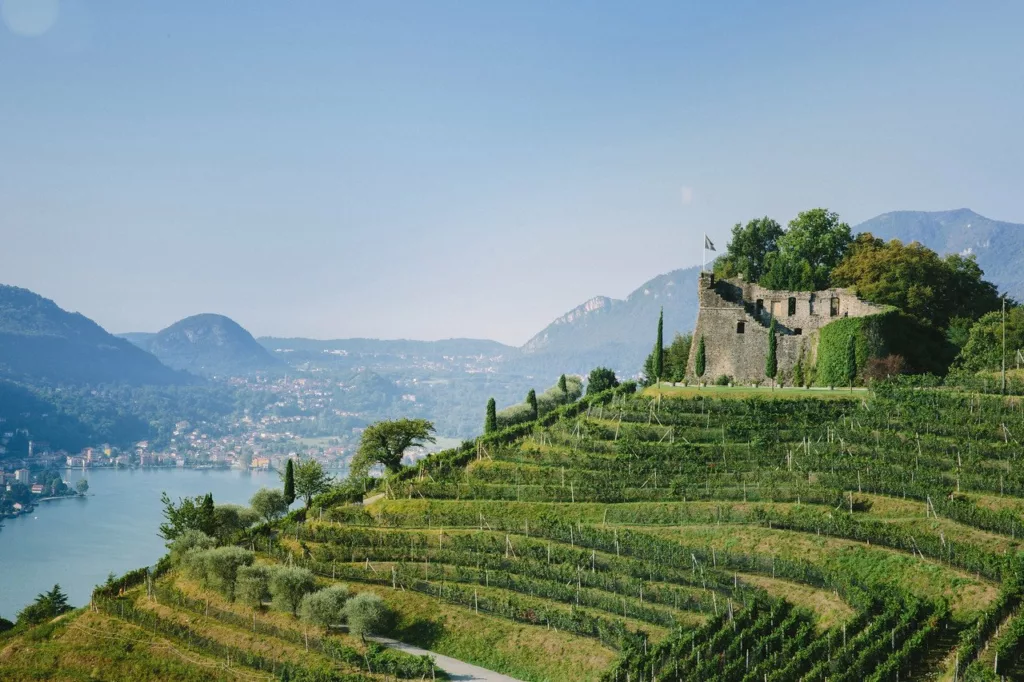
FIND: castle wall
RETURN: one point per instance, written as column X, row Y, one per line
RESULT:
column 734, row 318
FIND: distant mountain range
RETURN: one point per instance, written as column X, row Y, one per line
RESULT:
column 208, row 345
column 41, row 343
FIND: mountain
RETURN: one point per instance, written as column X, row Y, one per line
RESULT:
column 40, row 343
column 613, row 332
column 999, row 246
column 208, row 345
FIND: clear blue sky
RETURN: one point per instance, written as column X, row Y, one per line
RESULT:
column 431, row 169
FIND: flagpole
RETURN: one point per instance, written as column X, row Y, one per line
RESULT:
column 704, row 253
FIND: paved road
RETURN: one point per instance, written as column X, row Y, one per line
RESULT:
column 457, row 670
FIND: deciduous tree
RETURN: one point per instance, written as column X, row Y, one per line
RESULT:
column 311, row 480
column 386, row 442
column 601, row 379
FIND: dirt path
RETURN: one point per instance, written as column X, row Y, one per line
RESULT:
column 457, row 670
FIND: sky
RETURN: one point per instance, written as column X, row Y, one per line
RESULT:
column 433, row 169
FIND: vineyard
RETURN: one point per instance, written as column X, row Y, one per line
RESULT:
column 623, row 538
column 867, row 536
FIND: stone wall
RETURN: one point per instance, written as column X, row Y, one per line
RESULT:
column 734, row 316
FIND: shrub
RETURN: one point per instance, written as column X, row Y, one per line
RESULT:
column 723, row 380
column 190, row 540
column 288, row 586
column 601, row 379
column 252, row 585
column 878, row 369
column 232, row 518
column 367, row 614
column 325, row 607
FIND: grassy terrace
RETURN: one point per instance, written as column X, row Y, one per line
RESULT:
column 699, row 534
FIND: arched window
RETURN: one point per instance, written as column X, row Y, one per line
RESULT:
column 792, row 305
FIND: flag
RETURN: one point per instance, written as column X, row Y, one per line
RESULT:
column 708, row 244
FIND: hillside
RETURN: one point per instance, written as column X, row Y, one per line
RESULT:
column 998, row 245
column 208, row 345
column 735, row 536
column 41, row 343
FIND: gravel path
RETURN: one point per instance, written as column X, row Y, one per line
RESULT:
column 457, row 670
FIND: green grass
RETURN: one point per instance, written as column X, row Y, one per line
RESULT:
column 765, row 392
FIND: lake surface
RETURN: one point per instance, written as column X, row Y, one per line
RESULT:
column 77, row 542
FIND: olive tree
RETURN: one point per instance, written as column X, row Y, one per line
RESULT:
column 325, row 607
column 270, row 503
column 252, row 585
column 288, row 585
column 190, row 540
column 367, row 614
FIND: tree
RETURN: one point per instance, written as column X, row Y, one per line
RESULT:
column 984, row 348
column 311, row 480
column 699, row 363
column 531, row 400
column 601, row 379
column 47, row 606
column 677, row 356
column 367, row 614
column 563, row 386
column 233, row 518
column 191, row 513
column 5, row 625
column 659, row 351
column 269, row 503
column 82, row 486
column 252, row 585
column 771, row 361
column 386, row 442
column 288, row 585
column 814, row 243
column 219, row 567
column 748, row 249
column 851, row 359
column 289, row 482
column 189, row 541
column 491, row 420
column 325, row 607
column 917, row 280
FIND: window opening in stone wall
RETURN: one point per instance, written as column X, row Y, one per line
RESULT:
column 792, row 305
column 797, row 331
column 759, row 306
column 810, row 306
column 741, row 327
column 834, row 307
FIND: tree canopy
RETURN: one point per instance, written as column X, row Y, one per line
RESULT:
column 269, row 503
column 191, row 513
column 813, row 244
column 749, row 247
column 46, row 606
column 915, row 279
column 311, row 480
column 601, row 379
column 386, row 442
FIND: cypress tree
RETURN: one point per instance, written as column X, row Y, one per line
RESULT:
column 531, row 400
column 851, row 359
column 701, row 360
column 207, row 518
column 771, row 363
column 659, row 350
column 491, row 421
column 564, row 388
column 289, row 482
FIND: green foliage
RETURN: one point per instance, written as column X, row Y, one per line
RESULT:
column 218, row 567
column 851, row 359
column 82, row 486
column 677, row 356
column 491, row 419
column 269, row 503
column 984, row 347
column 771, row 361
column 288, row 585
column 531, row 401
column 563, row 386
column 189, row 541
column 700, row 361
column 814, row 243
column 386, row 442
column 325, row 607
column 798, row 369
column 659, row 350
column 601, row 379
column 367, row 614
column 252, row 585
column 289, row 482
column 311, row 479
column 723, row 380
column 916, row 280
column 191, row 513
column 5, row 625
column 230, row 519
column 46, row 606
column 748, row 249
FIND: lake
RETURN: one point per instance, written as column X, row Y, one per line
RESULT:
column 77, row 542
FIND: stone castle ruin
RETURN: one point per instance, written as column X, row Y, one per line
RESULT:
column 734, row 316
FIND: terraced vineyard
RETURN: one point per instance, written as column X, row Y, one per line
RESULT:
column 631, row 538
column 871, row 537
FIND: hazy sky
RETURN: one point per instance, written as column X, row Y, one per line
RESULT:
column 431, row 169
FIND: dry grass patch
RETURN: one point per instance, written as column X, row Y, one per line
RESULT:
column 828, row 606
